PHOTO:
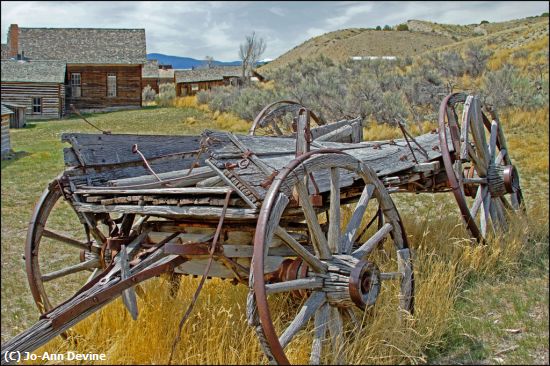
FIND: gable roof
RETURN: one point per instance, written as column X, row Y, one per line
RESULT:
column 33, row 71
column 211, row 74
column 84, row 45
column 150, row 69
column 6, row 110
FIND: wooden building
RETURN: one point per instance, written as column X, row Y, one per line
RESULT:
column 190, row 82
column 166, row 76
column 38, row 86
column 19, row 117
column 103, row 66
column 150, row 75
column 5, row 142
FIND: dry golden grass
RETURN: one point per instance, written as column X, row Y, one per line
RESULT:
column 220, row 121
column 444, row 259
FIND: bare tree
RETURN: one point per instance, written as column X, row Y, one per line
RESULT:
column 250, row 52
column 209, row 61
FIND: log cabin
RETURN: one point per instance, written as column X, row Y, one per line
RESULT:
column 38, row 86
column 190, row 82
column 5, row 143
column 103, row 66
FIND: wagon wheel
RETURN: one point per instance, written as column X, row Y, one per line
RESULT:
column 277, row 118
column 480, row 166
column 60, row 253
column 334, row 280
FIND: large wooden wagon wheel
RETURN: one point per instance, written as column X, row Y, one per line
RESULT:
column 338, row 277
column 61, row 253
column 276, row 119
column 480, row 167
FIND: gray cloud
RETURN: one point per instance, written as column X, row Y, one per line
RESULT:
column 197, row 29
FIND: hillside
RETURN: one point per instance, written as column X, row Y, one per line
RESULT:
column 422, row 36
column 342, row 44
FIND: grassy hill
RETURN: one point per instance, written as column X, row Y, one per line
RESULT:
column 422, row 37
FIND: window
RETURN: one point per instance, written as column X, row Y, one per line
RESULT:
column 76, row 91
column 111, row 85
column 37, row 105
column 194, row 87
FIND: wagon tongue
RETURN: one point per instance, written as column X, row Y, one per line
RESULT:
column 116, row 280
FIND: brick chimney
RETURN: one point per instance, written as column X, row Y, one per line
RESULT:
column 13, row 41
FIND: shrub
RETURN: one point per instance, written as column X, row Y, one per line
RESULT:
column 507, row 88
column 148, row 94
column 166, row 95
column 203, row 97
column 387, row 27
column 476, row 59
column 484, row 22
column 403, row 27
column 544, row 14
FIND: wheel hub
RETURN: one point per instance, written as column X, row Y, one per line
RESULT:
column 511, row 179
column 351, row 282
column 497, row 179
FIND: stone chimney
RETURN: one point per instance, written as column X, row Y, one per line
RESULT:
column 13, row 41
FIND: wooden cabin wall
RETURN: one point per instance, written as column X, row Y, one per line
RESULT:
column 153, row 82
column 52, row 95
column 5, row 139
column 94, row 86
column 184, row 89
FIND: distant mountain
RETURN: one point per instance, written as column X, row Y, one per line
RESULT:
column 178, row 62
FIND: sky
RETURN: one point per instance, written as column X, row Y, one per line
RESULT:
column 199, row 29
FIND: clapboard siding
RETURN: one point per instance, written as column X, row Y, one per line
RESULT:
column 22, row 94
column 5, row 140
column 94, row 86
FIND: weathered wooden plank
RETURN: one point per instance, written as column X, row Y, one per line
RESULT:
column 171, row 211
column 101, row 149
column 178, row 191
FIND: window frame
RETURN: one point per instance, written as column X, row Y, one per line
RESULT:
column 110, row 92
column 37, row 105
column 74, row 85
column 195, row 87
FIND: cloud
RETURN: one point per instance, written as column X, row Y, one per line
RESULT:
column 197, row 28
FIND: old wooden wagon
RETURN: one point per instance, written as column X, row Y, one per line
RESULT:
column 262, row 211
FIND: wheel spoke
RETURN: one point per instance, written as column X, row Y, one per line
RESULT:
column 319, row 241
column 93, row 263
column 478, row 133
column 336, row 330
column 391, row 276
column 466, row 116
column 312, row 304
column 309, row 258
column 501, row 155
column 312, row 283
column 481, row 170
column 65, row 238
column 352, row 229
column 334, row 213
column 481, row 192
column 373, row 241
column 493, row 140
column 484, row 217
column 321, row 319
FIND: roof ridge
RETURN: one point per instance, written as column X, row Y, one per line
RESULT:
column 95, row 28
